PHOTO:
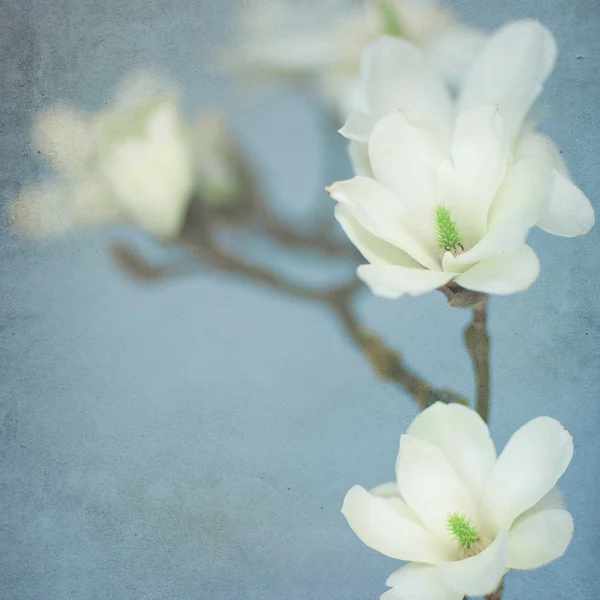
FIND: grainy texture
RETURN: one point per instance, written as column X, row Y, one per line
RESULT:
column 195, row 439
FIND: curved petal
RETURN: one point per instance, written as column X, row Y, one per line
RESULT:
column 552, row 500
column 386, row 490
column 358, row 126
column 373, row 248
column 520, row 200
column 384, row 529
column 567, row 211
column 515, row 210
column 359, row 157
column 502, row 274
column 480, row 149
column 397, row 76
column 534, row 143
column 391, row 493
column 405, row 157
column 380, row 212
column 390, row 281
column 431, row 487
column 530, row 465
column 480, row 574
column 510, row 71
column 418, row 582
column 461, row 434
column 539, row 538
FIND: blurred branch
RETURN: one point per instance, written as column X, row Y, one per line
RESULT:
column 477, row 341
column 216, row 255
column 130, row 262
column 387, row 363
column 197, row 238
column 317, row 241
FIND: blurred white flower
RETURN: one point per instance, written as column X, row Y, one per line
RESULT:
column 441, row 198
column 460, row 515
column 221, row 168
column 322, row 42
column 131, row 161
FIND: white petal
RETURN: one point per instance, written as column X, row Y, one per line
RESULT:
column 382, row 528
column 359, row 157
column 405, row 157
column 358, row 126
column 391, row 493
column 419, row 582
column 567, row 212
column 502, row 274
column 565, row 209
column 480, row 148
column 552, row 500
column 397, row 76
column 431, row 487
column 520, row 200
column 539, row 538
column 389, row 281
column 515, row 210
column 534, row 143
column 510, row 71
column 386, row 490
column 530, row 465
column 374, row 249
column 380, row 212
column 461, row 434
column 479, row 574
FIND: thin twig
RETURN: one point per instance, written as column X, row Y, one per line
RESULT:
column 477, row 341
column 212, row 253
column 315, row 241
column 387, row 363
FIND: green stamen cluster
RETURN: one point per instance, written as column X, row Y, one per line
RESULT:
column 462, row 530
column 390, row 25
column 447, row 233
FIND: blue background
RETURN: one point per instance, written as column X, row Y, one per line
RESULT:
column 195, row 439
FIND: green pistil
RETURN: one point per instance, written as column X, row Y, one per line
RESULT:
column 390, row 25
column 447, row 233
column 463, row 530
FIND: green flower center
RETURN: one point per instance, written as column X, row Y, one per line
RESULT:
column 390, row 24
column 462, row 530
column 446, row 230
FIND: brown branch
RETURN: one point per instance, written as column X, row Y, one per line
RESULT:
column 216, row 255
column 477, row 341
column 316, row 241
column 387, row 363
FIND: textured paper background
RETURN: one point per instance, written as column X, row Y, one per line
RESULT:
column 195, row 440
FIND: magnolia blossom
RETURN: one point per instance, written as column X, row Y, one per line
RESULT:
column 323, row 41
column 447, row 191
column 131, row 161
column 459, row 514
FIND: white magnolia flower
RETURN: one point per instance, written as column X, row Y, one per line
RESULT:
column 448, row 191
column 460, row 515
column 322, row 42
column 131, row 161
